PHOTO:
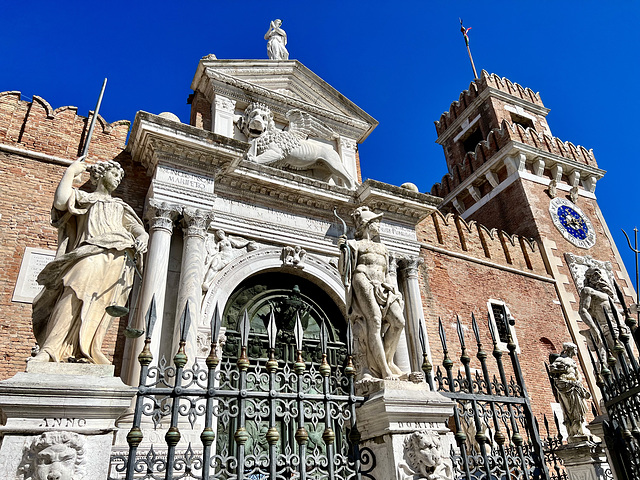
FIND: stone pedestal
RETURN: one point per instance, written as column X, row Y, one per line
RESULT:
column 405, row 426
column 60, row 417
column 584, row 460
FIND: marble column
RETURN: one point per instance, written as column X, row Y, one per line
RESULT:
column 413, row 310
column 401, row 358
column 161, row 217
column 194, row 223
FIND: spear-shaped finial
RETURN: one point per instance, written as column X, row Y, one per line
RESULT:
column 465, row 32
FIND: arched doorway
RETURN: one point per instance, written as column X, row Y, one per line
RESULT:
column 286, row 295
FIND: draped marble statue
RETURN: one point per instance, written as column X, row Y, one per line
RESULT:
column 276, row 41
column 99, row 238
column 571, row 393
column 374, row 305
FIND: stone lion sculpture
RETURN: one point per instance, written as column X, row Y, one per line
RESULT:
column 55, row 455
column 423, row 459
column 291, row 148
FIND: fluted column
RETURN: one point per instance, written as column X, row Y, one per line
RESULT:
column 194, row 223
column 413, row 310
column 401, row 358
column 161, row 217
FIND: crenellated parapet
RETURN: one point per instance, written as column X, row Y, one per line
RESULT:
column 544, row 156
column 451, row 234
column 60, row 132
column 486, row 80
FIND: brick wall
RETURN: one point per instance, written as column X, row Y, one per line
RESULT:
column 28, row 183
column 466, row 265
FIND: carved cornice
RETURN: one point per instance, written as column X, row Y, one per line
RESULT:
column 154, row 139
column 284, row 84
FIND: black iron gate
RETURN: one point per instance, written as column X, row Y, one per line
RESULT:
column 618, row 376
column 258, row 418
column 495, row 430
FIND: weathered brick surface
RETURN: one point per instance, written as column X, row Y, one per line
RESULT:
column 454, row 286
column 27, row 185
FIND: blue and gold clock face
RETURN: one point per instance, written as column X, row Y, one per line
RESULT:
column 572, row 223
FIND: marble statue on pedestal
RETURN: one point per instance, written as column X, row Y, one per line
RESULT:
column 595, row 299
column 374, row 305
column 572, row 394
column 291, row 148
column 54, row 456
column 100, row 240
column 276, row 41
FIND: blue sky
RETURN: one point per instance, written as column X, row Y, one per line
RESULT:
column 403, row 62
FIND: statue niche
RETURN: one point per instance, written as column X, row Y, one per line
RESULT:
column 292, row 148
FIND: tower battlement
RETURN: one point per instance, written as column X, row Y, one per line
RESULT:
column 38, row 127
column 501, row 138
column 486, row 80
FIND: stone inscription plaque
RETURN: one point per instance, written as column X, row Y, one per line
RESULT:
column 183, row 179
column 33, row 261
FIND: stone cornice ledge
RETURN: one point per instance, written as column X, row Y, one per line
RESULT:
column 397, row 406
column 514, row 148
column 151, row 133
column 390, row 198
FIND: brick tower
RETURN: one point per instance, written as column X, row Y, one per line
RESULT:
column 507, row 171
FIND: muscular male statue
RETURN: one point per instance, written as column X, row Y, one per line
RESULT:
column 594, row 301
column 374, row 305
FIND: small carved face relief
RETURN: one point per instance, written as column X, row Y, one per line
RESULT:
column 56, row 462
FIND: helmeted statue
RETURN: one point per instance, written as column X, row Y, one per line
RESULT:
column 572, row 394
column 99, row 237
column 374, row 305
column 276, row 41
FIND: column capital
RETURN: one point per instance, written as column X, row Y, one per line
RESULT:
column 195, row 222
column 409, row 265
column 161, row 215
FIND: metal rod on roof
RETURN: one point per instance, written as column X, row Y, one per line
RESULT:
column 466, row 41
column 85, row 150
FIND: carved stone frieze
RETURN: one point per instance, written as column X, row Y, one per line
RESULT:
column 293, row 256
column 578, row 265
column 221, row 249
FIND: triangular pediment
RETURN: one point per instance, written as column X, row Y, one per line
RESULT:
column 285, row 84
